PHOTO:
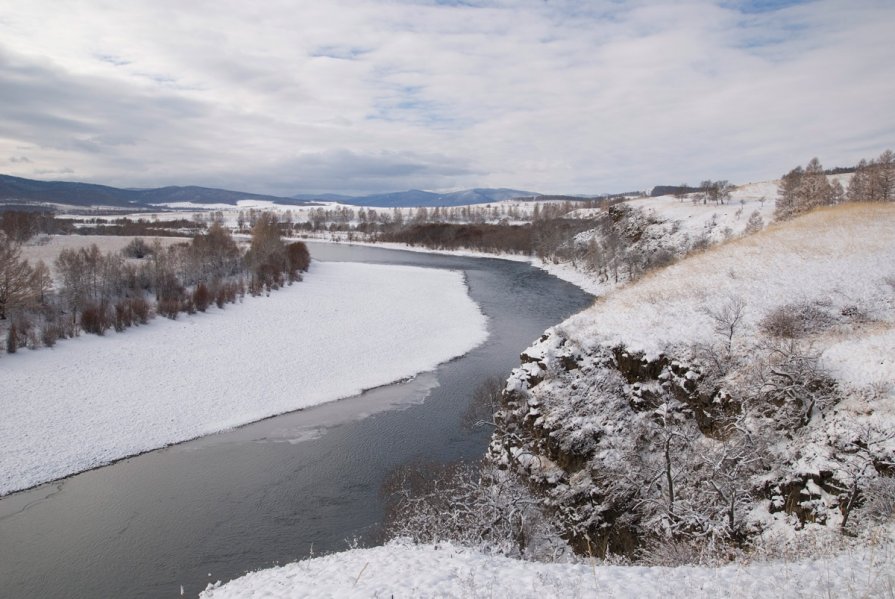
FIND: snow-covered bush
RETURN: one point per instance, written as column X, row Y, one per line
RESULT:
column 471, row 504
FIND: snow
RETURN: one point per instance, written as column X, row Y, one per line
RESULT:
column 692, row 218
column 835, row 267
column 865, row 364
column 240, row 204
column 839, row 256
column 47, row 248
column 400, row 569
column 347, row 327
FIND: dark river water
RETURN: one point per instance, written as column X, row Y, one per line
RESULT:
column 278, row 490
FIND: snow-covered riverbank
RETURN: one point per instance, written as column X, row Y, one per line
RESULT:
column 445, row 570
column 561, row 270
column 347, row 327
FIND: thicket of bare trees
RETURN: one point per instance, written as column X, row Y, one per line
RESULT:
column 713, row 191
column 473, row 504
column 95, row 292
column 805, row 188
column 20, row 225
column 874, row 181
column 20, row 284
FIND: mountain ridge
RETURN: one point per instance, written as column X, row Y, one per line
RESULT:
column 19, row 190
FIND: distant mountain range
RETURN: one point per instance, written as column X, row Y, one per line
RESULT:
column 19, row 191
column 416, row 197
column 16, row 190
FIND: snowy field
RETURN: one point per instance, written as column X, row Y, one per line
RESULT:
column 47, row 248
column 347, row 327
column 403, row 570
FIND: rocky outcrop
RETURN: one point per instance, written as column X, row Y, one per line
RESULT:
column 624, row 448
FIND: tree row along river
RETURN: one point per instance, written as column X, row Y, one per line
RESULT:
column 301, row 484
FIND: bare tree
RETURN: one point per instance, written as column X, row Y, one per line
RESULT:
column 727, row 319
column 267, row 254
column 788, row 203
column 16, row 283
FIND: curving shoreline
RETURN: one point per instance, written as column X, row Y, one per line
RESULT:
column 96, row 400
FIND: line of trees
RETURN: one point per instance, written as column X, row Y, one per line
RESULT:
column 708, row 191
column 22, row 225
column 95, row 291
column 805, row 188
column 372, row 221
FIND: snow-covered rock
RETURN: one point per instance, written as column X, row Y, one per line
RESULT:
column 679, row 398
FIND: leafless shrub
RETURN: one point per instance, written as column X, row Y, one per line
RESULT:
column 201, row 297
column 137, row 248
column 470, row 504
column 485, row 402
column 686, row 551
column 33, row 338
column 793, row 385
column 140, row 309
column 94, row 320
column 220, row 296
column 855, row 313
column 49, row 333
column 124, row 316
column 12, row 339
column 794, row 321
column 879, row 499
column 661, row 258
column 169, row 308
column 187, row 305
column 702, row 242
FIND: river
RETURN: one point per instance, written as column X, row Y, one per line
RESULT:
column 305, row 483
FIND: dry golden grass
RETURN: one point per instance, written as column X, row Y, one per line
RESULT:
column 840, row 254
column 822, row 232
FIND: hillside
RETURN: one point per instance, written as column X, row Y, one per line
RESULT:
column 745, row 390
column 738, row 405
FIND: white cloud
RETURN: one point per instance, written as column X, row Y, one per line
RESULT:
column 356, row 96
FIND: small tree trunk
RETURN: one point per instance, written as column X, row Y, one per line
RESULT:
column 668, row 476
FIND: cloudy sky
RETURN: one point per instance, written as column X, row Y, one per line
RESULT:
column 358, row 96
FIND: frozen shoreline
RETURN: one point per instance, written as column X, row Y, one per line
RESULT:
column 402, row 569
column 348, row 327
column 561, row 271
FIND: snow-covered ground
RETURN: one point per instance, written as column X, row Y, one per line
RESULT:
column 47, row 248
column 842, row 256
column 403, row 570
column 347, row 327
